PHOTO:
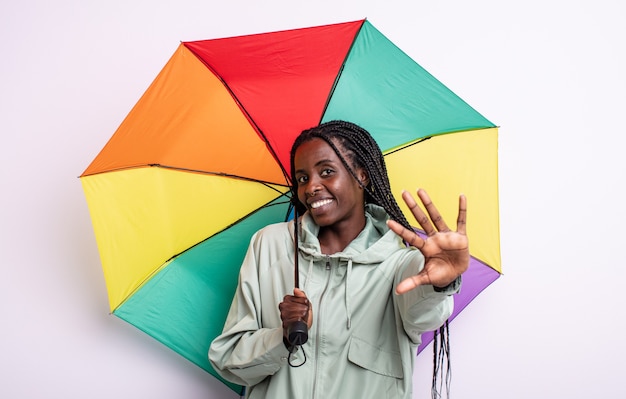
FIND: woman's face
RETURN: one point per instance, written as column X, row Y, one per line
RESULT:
column 330, row 193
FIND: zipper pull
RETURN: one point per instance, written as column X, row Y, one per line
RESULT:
column 327, row 262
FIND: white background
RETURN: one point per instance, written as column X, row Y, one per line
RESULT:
column 550, row 73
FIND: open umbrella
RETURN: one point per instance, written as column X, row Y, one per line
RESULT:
column 201, row 162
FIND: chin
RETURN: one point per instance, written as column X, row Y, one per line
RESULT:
column 321, row 221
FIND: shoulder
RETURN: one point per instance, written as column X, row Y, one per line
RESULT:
column 276, row 229
column 276, row 232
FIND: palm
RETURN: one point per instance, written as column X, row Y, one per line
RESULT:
column 446, row 252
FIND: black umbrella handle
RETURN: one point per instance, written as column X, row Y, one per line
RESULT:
column 298, row 333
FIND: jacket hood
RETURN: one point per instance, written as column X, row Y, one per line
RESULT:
column 372, row 245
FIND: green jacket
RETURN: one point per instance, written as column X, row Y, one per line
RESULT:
column 364, row 337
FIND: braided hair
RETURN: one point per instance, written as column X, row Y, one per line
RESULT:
column 363, row 152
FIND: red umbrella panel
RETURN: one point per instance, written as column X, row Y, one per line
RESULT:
column 201, row 162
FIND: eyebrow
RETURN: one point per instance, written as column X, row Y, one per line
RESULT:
column 318, row 163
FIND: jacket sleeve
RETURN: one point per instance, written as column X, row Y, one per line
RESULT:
column 422, row 309
column 246, row 353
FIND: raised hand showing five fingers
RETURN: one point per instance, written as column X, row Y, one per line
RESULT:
column 446, row 252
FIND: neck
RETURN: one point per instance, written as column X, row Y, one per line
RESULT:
column 336, row 238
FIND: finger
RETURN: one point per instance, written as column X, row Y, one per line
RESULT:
column 298, row 293
column 408, row 236
column 288, row 300
column 291, row 310
column 418, row 214
column 410, row 283
column 461, row 220
column 432, row 210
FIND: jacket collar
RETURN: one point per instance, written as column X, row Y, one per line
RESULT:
column 372, row 245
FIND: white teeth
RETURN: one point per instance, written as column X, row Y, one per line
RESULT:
column 317, row 204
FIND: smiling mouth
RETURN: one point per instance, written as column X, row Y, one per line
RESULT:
column 319, row 203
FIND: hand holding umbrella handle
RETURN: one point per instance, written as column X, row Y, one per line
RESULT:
column 295, row 312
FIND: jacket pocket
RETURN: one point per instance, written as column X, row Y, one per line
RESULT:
column 375, row 359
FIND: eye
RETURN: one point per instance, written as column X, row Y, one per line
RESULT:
column 326, row 172
column 302, row 179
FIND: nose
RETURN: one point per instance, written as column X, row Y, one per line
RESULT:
column 312, row 193
column 312, row 188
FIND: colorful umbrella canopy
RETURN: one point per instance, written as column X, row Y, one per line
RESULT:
column 201, row 163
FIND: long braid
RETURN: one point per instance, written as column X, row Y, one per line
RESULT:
column 364, row 152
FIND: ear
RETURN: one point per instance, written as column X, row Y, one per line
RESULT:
column 363, row 177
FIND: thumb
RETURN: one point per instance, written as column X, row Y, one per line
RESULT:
column 412, row 282
column 297, row 292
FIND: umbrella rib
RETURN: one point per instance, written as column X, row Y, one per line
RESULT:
column 402, row 147
column 221, row 174
column 408, row 145
column 343, row 64
column 204, row 172
column 234, row 223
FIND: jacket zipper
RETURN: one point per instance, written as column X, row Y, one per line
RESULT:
column 319, row 327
